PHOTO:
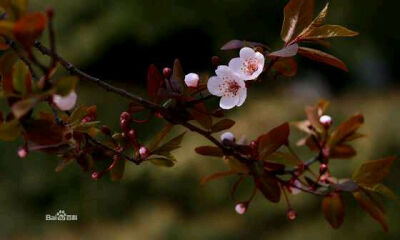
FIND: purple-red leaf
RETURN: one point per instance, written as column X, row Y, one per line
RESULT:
column 373, row 208
column 224, row 124
column 209, row 151
column 298, row 15
column 333, row 209
column 288, row 51
column 29, row 28
column 273, row 140
column 287, row 67
column 322, row 57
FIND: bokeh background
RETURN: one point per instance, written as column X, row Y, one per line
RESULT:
column 117, row 40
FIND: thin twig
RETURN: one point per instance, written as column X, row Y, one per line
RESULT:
column 134, row 160
column 77, row 72
column 21, row 56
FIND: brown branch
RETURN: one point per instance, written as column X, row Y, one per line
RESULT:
column 134, row 160
column 84, row 76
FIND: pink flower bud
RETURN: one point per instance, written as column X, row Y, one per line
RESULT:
column 241, row 208
column 323, row 168
column 97, row 175
column 325, row 120
column 125, row 116
column 192, row 80
column 291, row 214
column 295, row 189
column 167, row 72
column 215, row 60
column 143, row 152
column 228, row 136
column 65, row 103
column 22, row 152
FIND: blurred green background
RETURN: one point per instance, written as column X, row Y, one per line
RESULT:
column 117, row 40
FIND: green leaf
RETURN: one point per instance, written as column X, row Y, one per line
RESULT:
column 346, row 129
column 328, row 31
column 373, row 172
column 214, row 176
column 20, row 108
column 78, row 114
column 22, row 79
column 162, row 161
column 223, row 124
column 9, row 131
column 319, row 56
column 368, row 204
column 209, row 151
column 117, row 172
column 171, row 145
column 65, row 85
column 333, row 209
column 273, row 140
column 86, row 127
column 269, row 187
column 298, row 15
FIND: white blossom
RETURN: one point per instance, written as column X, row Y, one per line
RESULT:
column 65, row 103
column 228, row 136
column 249, row 65
column 241, row 208
column 325, row 120
column 229, row 86
column 192, row 80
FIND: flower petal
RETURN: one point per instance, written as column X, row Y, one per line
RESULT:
column 246, row 52
column 228, row 102
column 236, row 65
column 65, row 103
column 223, row 70
column 242, row 96
column 213, row 85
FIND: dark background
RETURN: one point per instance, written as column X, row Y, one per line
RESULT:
column 117, row 40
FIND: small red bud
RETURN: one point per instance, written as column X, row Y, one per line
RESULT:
column 86, row 119
column 216, row 61
column 323, row 168
column 50, row 12
column 253, row 144
column 326, row 121
column 22, row 152
column 143, row 152
column 241, row 208
column 106, row 130
column 132, row 135
column 167, row 72
column 291, row 214
column 124, row 125
column 97, row 175
column 125, row 116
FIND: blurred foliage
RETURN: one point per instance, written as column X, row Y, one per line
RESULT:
column 117, row 40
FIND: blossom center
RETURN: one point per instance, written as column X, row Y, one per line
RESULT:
column 230, row 87
column 250, row 65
